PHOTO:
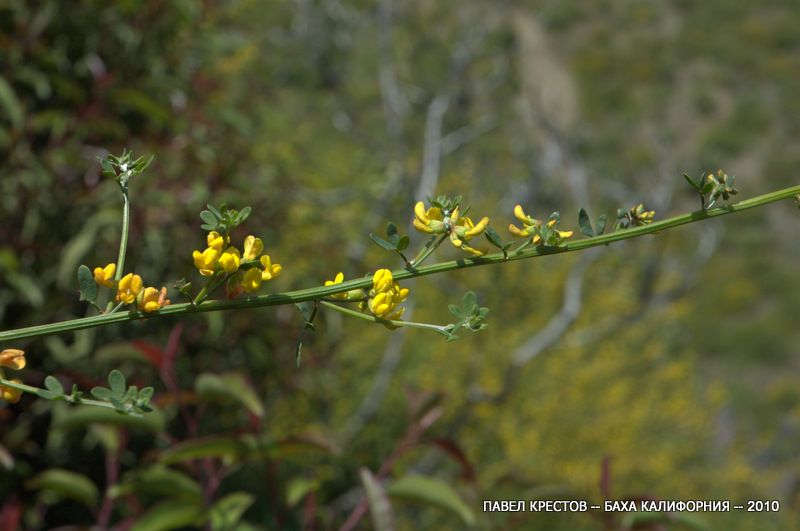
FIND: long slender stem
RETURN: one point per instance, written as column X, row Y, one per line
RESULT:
column 123, row 242
column 373, row 319
column 277, row 299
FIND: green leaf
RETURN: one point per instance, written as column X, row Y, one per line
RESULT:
column 171, row 514
column 691, row 182
column 116, row 382
column 391, row 232
column 243, row 215
column 493, row 237
column 222, row 447
column 456, row 310
column 601, row 224
column 209, row 218
column 66, row 485
column 227, row 512
column 585, row 224
column 217, row 214
column 432, row 492
column 86, row 284
column 229, row 387
column 54, row 386
column 402, row 243
column 469, row 301
column 102, row 393
column 381, row 242
column 379, row 507
column 305, row 309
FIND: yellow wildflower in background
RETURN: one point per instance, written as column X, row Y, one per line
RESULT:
column 104, row 276
column 12, row 358
column 129, row 288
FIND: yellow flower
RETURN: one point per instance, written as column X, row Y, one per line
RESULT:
column 9, row 394
column 382, row 280
column 529, row 225
column 563, row 234
column 253, row 247
column 206, row 262
column 215, row 240
column 463, row 229
column 270, row 270
column 337, row 280
column 385, row 296
column 230, row 260
column 251, row 280
column 12, row 358
column 104, row 276
column 460, row 229
column 129, row 287
column 430, row 221
column 153, row 300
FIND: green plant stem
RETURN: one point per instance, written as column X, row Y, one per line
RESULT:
column 371, row 318
column 42, row 393
column 316, row 293
column 123, row 242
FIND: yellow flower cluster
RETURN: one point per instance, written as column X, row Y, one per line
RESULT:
column 459, row 228
column 220, row 256
column 385, row 296
column 11, row 358
column 130, row 289
column 530, row 226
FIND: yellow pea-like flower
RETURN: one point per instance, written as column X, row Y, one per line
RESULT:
column 104, row 276
column 251, row 280
column 253, row 247
column 12, row 358
column 270, row 270
column 206, row 262
column 338, row 279
column 430, row 221
column 9, row 394
column 215, row 240
column 529, row 225
column 129, row 288
column 382, row 280
column 153, row 299
column 230, row 259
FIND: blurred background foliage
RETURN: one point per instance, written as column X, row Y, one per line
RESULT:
column 663, row 368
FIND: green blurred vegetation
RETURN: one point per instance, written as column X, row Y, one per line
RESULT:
column 677, row 379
